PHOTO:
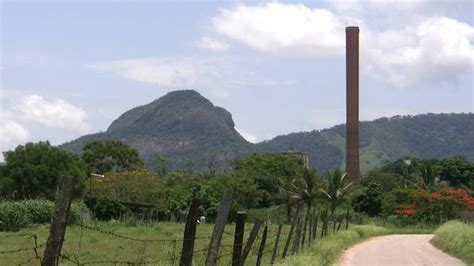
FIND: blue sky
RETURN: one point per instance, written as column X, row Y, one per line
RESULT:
column 71, row 67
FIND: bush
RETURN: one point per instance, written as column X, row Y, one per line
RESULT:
column 15, row 215
column 12, row 218
column 456, row 239
column 107, row 208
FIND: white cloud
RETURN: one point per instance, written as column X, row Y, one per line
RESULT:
column 213, row 76
column 276, row 27
column 56, row 113
column 438, row 49
column 12, row 133
column 398, row 44
column 250, row 137
column 213, row 44
column 153, row 70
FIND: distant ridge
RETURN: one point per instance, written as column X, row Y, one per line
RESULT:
column 187, row 128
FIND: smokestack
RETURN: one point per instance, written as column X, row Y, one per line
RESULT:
column 352, row 103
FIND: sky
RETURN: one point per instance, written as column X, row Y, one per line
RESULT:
column 69, row 68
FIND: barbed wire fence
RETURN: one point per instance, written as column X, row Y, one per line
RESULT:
column 260, row 246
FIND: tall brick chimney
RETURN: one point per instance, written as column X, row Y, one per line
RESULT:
column 352, row 103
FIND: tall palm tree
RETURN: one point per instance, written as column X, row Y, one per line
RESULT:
column 336, row 189
column 306, row 187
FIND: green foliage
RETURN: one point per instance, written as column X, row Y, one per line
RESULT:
column 161, row 165
column 15, row 215
column 387, row 181
column 391, row 200
column 456, row 239
column 110, row 155
column 186, row 127
column 307, row 186
column 32, row 171
column 369, row 202
column 12, row 218
column 457, row 171
column 106, row 208
column 336, row 189
column 271, row 172
column 137, row 186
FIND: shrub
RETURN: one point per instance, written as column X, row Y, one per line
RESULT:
column 456, row 239
column 15, row 215
column 107, row 208
column 12, row 218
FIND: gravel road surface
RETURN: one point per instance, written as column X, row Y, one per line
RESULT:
column 397, row 250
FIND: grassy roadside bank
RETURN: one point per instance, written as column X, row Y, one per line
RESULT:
column 327, row 250
column 456, row 239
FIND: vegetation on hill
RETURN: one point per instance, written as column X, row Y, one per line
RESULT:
column 191, row 132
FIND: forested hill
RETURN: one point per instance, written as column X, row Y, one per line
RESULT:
column 192, row 132
column 426, row 136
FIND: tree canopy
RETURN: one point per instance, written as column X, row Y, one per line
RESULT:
column 32, row 170
column 110, row 155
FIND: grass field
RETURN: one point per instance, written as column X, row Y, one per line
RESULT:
column 85, row 245
column 457, row 239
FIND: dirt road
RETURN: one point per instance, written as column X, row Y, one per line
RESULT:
column 397, row 250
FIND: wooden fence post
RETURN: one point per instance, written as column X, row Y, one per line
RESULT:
column 190, row 234
column 290, row 233
column 238, row 238
column 275, row 248
column 262, row 245
column 59, row 221
column 250, row 240
column 347, row 219
column 221, row 220
column 304, row 228
column 315, row 230
column 310, row 233
column 298, row 231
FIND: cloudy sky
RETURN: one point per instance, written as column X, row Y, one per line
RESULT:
column 71, row 67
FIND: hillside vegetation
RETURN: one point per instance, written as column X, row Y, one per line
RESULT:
column 193, row 133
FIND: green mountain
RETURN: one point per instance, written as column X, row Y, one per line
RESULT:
column 182, row 125
column 187, row 128
column 385, row 139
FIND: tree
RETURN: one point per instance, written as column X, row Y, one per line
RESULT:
column 32, row 171
column 371, row 201
column 307, row 189
column 161, row 165
column 111, row 155
column 386, row 180
column 457, row 171
column 336, row 189
column 428, row 173
column 271, row 172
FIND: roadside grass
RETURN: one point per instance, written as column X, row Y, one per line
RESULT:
column 327, row 250
column 92, row 246
column 456, row 239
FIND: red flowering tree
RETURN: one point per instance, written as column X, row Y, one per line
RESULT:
column 441, row 205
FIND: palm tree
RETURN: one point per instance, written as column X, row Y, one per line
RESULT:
column 429, row 176
column 336, row 189
column 306, row 187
